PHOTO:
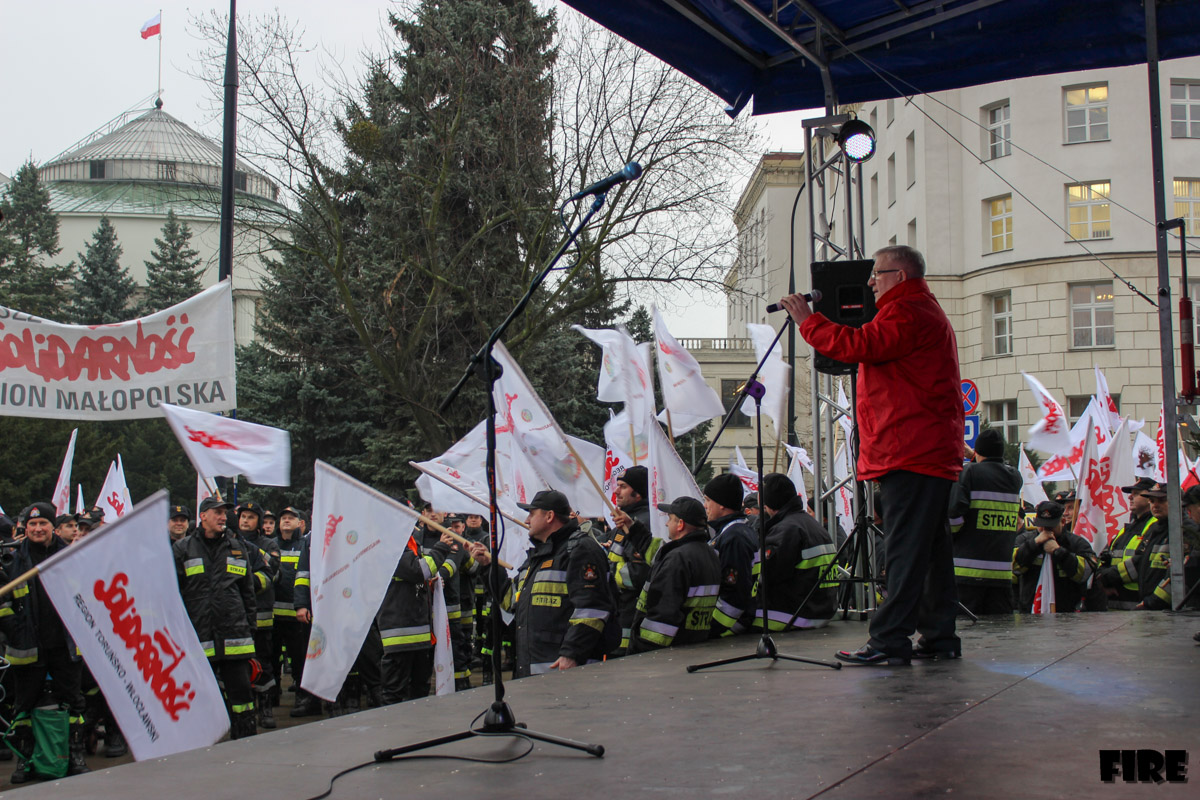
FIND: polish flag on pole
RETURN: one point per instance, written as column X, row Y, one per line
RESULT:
column 116, row 592
column 219, row 445
column 350, row 520
column 1050, row 434
column 114, row 494
column 1044, row 600
column 152, row 26
column 62, row 489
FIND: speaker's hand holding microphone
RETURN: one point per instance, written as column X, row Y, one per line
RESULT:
column 797, row 305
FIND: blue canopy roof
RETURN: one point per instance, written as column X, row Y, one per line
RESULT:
column 776, row 51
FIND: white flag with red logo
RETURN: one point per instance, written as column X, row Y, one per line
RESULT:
column 669, row 478
column 1160, row 450
column 1189, row 472
column 798, row 461
column 843, row 498
column 1032, row 491
column 773, row 376
column 443, row 656
column 114, row 494
column 1044, row 599
column 117, row 593
column 1050, row 434
column 624, row 376
column 62, row 489
column 79, row 506
column 224, row 446
column 464, row 466
column 618, row 456
column 358, row 536
column 1094, row 494
column 1107, row 404
column 1145, row 457
column 1065, row 466
column 686, row 396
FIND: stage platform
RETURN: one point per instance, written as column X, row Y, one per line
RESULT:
column 1023, row 715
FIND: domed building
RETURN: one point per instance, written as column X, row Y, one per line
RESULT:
column 144, row 163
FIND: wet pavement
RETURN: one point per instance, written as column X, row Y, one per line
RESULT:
column 1024, row 714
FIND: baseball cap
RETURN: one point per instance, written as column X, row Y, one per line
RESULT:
column 1141, row 485
column 295, row 512
column 1157, row 491
column 252, row 507
column 1048, row 514
column 549, row 500
column 63, row 519
column 213, row 502
column 688, row 509
column 179, row 511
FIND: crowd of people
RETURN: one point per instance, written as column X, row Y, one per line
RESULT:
column 589, row 591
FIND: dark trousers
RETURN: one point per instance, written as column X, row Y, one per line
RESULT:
column 264, row 652
column 406, row 675
column 290, row 641
column 981, row 599
column 920, row 565
column 370, row 655
column 235, row 677
column 65, row 683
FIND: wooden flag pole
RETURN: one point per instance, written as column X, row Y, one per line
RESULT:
column 466, row 494
column 442, row 529
column 632, row 446
column 13, row 584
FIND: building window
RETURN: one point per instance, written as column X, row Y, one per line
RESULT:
column 910, row 157
column 875, row 118
column 1000, row 224
column 97, row 170
column 875, row 197
column 999, row 308
column 891, row 110
column 1187, row 203
column 912, row 233
column 1185, row 109
column 1077, row 405
column 166, row 170
column 1087, row 113
column 1002, row 415
column 1088, row 212
column 998, row 121
column 239, row 181
column 891, row 179
column 729, row 396
column 1092, row 315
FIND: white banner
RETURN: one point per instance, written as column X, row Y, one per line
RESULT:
column 114, row 494
column 358, row 537
column 117, row 594
column 225, row 446
column 443, row 657
column 181, row 355
column 62, row 489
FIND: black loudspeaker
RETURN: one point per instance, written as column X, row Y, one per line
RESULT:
column 846, row 299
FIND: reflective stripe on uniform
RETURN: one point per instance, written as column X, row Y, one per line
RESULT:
column 592, row 617
column 193, row 566
column 816, row 557
column 265, row 619
column 302, row 578
column 18, row 657
column 235, row 566
column 978, row 568
column 415, row 634
column 239, row 647
column 778, row 621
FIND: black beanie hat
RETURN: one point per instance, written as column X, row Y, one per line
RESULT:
column 638, row 479
column 776, row 490
column 725, row 490
column 990, row 444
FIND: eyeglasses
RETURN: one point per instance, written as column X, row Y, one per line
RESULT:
column 876, row 273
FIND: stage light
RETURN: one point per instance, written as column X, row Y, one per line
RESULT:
column 857, row 140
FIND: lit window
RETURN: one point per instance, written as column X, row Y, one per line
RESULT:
column 999, row 130
column 1088, row 212
column 1092, row 315
column 1002, row 415
column 1087, row 113
column 1187, row 203
column 1000, row 222
column 1185, row 109
column 1000, row 308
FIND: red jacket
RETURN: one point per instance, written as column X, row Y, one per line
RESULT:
column 910, row 407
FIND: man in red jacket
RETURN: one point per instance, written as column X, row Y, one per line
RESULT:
column 910, row 421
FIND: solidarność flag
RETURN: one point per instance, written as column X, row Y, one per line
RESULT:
column 219, row 445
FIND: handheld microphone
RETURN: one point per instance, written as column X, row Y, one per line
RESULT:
column 627, row 173
column 813, row 297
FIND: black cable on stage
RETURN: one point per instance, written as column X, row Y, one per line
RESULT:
column 431, row 757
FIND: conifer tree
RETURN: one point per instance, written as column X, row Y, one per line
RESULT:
column 102, row 291
column 174, row 272
column 28, row 240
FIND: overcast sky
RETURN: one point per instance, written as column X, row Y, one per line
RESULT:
column 70, row 66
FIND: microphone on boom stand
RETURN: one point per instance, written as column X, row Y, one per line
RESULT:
column 629, row 172
column 813, row 297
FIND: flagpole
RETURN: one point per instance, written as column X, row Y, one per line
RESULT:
column 441, row 529
column 632, row 443
column 670, row 427
column 588, row 472
column 160, row 38
column 464, row 492
column 13, row 584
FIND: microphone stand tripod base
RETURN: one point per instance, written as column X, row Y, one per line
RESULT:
column 766, row 649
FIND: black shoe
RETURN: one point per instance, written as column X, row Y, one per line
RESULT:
column 868, row 656
column 21, row 773
column 114, row 742
column 306, row 706
column 1196, row 636
column 266, row 715
column 77, row 757
column 932, row 654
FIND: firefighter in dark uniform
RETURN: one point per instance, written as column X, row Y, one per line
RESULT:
column 985, row 512
column 632, row 548
column 290, row 635
column 1153, row 558
column 799, row 553
column 270, row 524
column 39, row 645
column 404, row 622
column 736, row 542
column 459, row 598
column 677, row 605
column 1072, row 555
column 216, row 582
column 560, row 599
column 179, row 523
column 477, row 532
column 1118, row 565
column 249, row 521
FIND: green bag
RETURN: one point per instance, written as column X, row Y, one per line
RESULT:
column 51, row 741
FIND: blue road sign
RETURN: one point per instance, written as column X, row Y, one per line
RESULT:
column 970, row 429
column 970, row 393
